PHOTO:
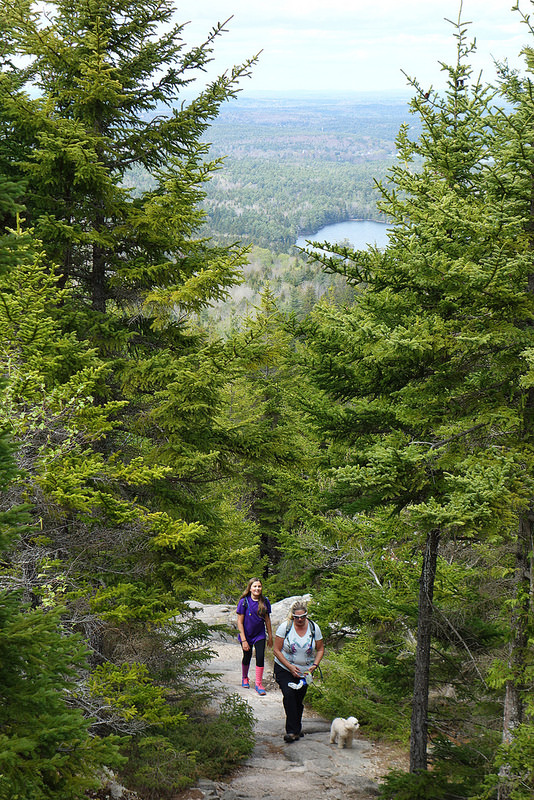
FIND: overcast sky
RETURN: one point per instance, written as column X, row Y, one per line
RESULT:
column 354, row 45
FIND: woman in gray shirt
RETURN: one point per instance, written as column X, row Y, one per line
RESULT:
column 298, row 650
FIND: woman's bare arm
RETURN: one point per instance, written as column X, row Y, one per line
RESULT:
column 241, row 628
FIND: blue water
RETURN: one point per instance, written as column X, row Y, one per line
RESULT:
column 359, row 232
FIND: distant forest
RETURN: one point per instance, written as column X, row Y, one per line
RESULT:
column 293, row 165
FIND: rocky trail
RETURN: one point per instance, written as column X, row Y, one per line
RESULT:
column 308, row 769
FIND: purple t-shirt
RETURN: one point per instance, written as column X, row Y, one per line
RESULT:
column 254, row 624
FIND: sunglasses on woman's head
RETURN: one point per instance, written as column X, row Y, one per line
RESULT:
column 299, row 616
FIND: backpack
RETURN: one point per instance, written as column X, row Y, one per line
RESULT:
column 288, row 628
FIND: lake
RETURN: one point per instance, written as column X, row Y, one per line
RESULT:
column 359, row 232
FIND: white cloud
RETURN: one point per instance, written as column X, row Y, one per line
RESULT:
column 353, row 44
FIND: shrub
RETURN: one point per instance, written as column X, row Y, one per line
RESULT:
column 514, row 765
column 353, row 686
column 204, row 746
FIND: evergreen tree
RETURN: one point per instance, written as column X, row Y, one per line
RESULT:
column 276, row 447
column 426, row 366
column 46, row 749
column 513, row 187
column 115, row 392
column 109, row 82
column 134, row 272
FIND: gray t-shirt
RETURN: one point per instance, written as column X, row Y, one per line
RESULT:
column 299, row 650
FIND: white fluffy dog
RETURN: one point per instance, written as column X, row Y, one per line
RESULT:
column 342, row 730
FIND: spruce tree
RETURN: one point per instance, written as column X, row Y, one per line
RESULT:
column 426, row 366
column 512, row 186
column 108, row 78
column 115, row 390
column 46, row 748
column 276, row 450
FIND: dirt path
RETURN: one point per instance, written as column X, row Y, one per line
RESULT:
column 309, row 769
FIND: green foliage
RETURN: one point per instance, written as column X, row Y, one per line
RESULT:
column 514, row 771
column 232, row 741
column 135, row 442
column 420, row 786
column 205, row 746
column 46, row 748
column 414, row 786
column 276, row 446
column 114, row 391
column 458, row 771
column 129, row 691
column 430, row 417
column 367, row 679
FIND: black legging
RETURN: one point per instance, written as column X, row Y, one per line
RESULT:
column 259, row 646
column 293, row 699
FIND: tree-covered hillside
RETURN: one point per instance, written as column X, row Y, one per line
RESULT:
column 293, row 165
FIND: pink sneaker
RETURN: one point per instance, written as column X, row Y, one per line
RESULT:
column 245, row 683
column 260, row 690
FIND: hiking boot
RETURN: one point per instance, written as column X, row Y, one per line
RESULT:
column 291, row 737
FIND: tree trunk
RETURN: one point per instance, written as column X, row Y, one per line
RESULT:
column 419, row 729
column 516, row 685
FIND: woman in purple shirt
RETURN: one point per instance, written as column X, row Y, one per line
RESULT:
column 254, row 626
